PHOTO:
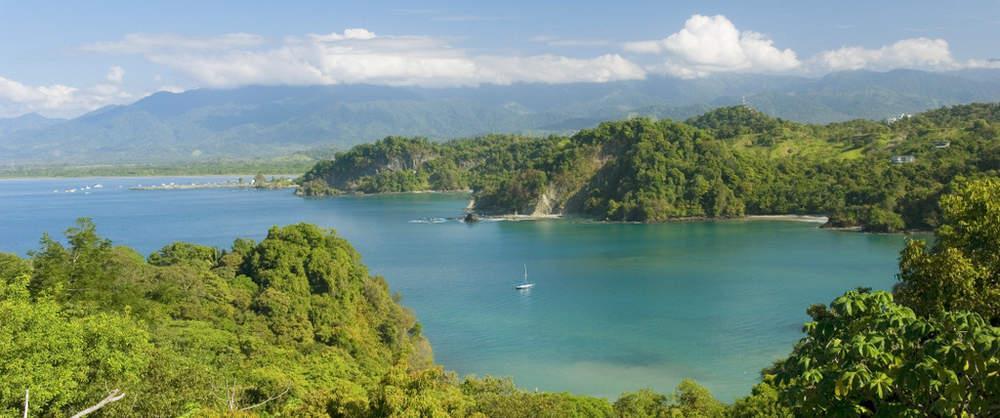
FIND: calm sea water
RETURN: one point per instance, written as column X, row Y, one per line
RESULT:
column 617, row 306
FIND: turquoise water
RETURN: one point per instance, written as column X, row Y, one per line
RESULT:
column 617, row 306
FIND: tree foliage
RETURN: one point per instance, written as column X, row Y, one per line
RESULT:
column 296, row 326
column 961, row 271
column 293, row 325
column 726, row 163
column 866, row 355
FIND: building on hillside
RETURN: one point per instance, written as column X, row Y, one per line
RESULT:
column 903, row 159
column 901, row 116
column 942, row 144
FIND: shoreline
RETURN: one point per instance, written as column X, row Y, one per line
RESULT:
column 788, row 217
column 815, row 219
column 519, row 218
column 156, row 176
column 208, row 186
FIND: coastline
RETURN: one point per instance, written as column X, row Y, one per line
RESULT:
column 815, row 219
column 788, row 217
column 210, row 186
column 519, row 218
column 143, row 176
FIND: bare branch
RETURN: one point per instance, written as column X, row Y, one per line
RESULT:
column 266, row 400
column 26, row 403
column 114, row 396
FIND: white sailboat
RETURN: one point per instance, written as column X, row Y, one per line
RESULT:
column 525, row 285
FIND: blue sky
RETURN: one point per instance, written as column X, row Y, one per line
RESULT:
column 65, row 58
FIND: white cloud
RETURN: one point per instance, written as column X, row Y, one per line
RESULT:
column 140, row 43
column 917, row 53
column 116, row 74
column 914, row 53
column 37, row 96
column 704, row 45
column 557, row 69
column 57, row 100
column 354, row 33
column 713, row 44
column 360, row 56
column 171, row 89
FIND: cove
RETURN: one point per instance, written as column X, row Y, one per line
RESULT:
column 617, row 306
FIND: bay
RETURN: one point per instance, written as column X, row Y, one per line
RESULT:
column 617, row 307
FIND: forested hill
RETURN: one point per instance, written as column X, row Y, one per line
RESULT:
column 729, row 162
column 295, row 326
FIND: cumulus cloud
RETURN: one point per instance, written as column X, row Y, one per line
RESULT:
column 713, row 44
column 916, row 53
column 360, row 56
column 56, row 99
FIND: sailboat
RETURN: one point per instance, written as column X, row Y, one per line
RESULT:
column 524, row 285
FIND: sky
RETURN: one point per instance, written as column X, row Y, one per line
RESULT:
column 62, row 59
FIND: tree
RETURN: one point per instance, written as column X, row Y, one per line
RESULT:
column 695, row 401
column 185, row 253
column 642, row 404
column 762, row 403
column 961, row 271
column 866, row 355
column 66, row 362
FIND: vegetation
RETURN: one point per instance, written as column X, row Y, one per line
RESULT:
column 866, row 355
column 294, row 325
column 726, row 163
column 961, row 271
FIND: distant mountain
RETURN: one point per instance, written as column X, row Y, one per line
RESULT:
column 27, row 122
column 261, row 121
column 873, row 95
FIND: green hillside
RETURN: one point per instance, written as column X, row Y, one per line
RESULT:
column 729, row 162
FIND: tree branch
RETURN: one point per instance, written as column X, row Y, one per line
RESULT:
column 114, row 396
column 266, row 400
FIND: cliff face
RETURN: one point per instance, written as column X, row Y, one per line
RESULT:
column 391, row 165
column 567, row 192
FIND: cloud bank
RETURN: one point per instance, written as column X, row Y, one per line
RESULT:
column 915, row 53
column 703, row 46
column 57, row 99
column 360, row 56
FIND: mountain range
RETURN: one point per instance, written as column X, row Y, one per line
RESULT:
column 266, row 121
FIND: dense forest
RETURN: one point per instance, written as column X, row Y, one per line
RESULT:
column 295, row 325
column 734, row 161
